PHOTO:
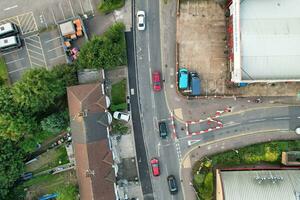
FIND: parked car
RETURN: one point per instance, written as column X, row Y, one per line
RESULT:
column 183, row 78
column 27, row 176
column 297, row 130
column 141, row 20
column 163, row 130
column 155, row 166
column 121, row 116
column 195, row 84
column 172, row 184
column 156, row 81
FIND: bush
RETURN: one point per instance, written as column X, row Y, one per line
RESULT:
column 55, row 122
column 118, row 92
column 207, row 188
column 4, row 78
column 68, row 192
column 118, row 107
column 108, row 6
column 119, row 127
column 107, row 51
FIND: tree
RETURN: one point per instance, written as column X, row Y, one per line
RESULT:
column 67, row 74
column 15, row 127
column 7, row 102
column 55, row 122
column 11, row 166
column 37, row 90
column 105, row 51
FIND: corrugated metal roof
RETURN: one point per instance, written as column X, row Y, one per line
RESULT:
column 244, row 185
column 270, row 39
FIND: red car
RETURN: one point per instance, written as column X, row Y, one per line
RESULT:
column 156, row 81
column 155, row 166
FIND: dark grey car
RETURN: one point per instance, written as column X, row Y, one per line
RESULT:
column 163, row 130
column 172, row 184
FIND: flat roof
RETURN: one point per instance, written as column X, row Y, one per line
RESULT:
column 261, row 184
column 270, row 39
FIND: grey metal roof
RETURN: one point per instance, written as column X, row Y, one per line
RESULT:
column 92, row 128
column 244, row 185
column 270, row 39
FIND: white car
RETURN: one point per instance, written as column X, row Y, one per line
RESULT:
column 297, row 130
column 121, row 116
column 141, row 20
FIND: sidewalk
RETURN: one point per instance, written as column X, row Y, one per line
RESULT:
column 221, row 146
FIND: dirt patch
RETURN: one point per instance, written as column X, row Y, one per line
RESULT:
column 202, row 48
column 201, row 35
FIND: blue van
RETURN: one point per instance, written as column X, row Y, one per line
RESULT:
column 183, row 78
column 195, row 84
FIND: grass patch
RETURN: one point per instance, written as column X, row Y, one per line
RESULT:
column 267, row 153
column 48, row 160
column 119, row 127
column 118, row 93
column 4, row 78
column 63, row 183
column 107, row 6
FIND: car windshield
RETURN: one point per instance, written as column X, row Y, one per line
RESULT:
column 155, row 165
column 119, row 115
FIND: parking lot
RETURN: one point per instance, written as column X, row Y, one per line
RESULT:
column 201, row 36
column 42, row 46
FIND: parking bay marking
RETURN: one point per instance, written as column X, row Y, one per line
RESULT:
column 13, row 61
column 9, row 8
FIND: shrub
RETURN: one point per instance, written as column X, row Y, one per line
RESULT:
column 108, row 6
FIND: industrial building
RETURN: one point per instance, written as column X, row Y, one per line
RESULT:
column 258, row 184
column 264, row 40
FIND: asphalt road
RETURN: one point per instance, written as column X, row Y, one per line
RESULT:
column 285, row 118
column 153, row 105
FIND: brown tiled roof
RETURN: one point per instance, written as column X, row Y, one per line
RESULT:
column 92, row 153
column 95, row 175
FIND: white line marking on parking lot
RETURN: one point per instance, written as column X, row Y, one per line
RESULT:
column 57, row 57
column 282, row 118
column 81, row 7
column 43, row 53
column 10, row 62
column 12, row 51
column 71, row 8
column 53, row 16
column 48, row 41
column 33, row 45
column 17, row 70
column 9, row 8
column 34, row 52
column 55, row 48
column 36, row 58
column 258, row 120
column 91, row 7
column 36, row 65
column 62, row 11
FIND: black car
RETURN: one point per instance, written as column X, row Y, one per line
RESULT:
column 163, row 131
column 172, row 184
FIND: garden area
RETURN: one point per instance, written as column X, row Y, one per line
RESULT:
column 64, row 184
column 258, row 154
column 4, row 79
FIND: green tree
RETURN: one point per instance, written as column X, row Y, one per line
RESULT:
column 37, row 90
column 105, row 51
column 11, row 166
column 107, row 6
column 67, row 74
column 7, row 102
column 55, row 122
column 15, row 127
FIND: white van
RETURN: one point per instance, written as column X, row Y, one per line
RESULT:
column 8, row 29
column 9, row 43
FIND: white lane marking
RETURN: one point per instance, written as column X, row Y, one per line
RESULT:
column 9, row 8
column 71, row 8
column 158, row 147
column 231, row 124
column 20, row 49
column 10, row 62
column 282, row 118
column 257, row 120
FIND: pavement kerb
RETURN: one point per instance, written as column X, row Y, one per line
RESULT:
column 216, row 141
